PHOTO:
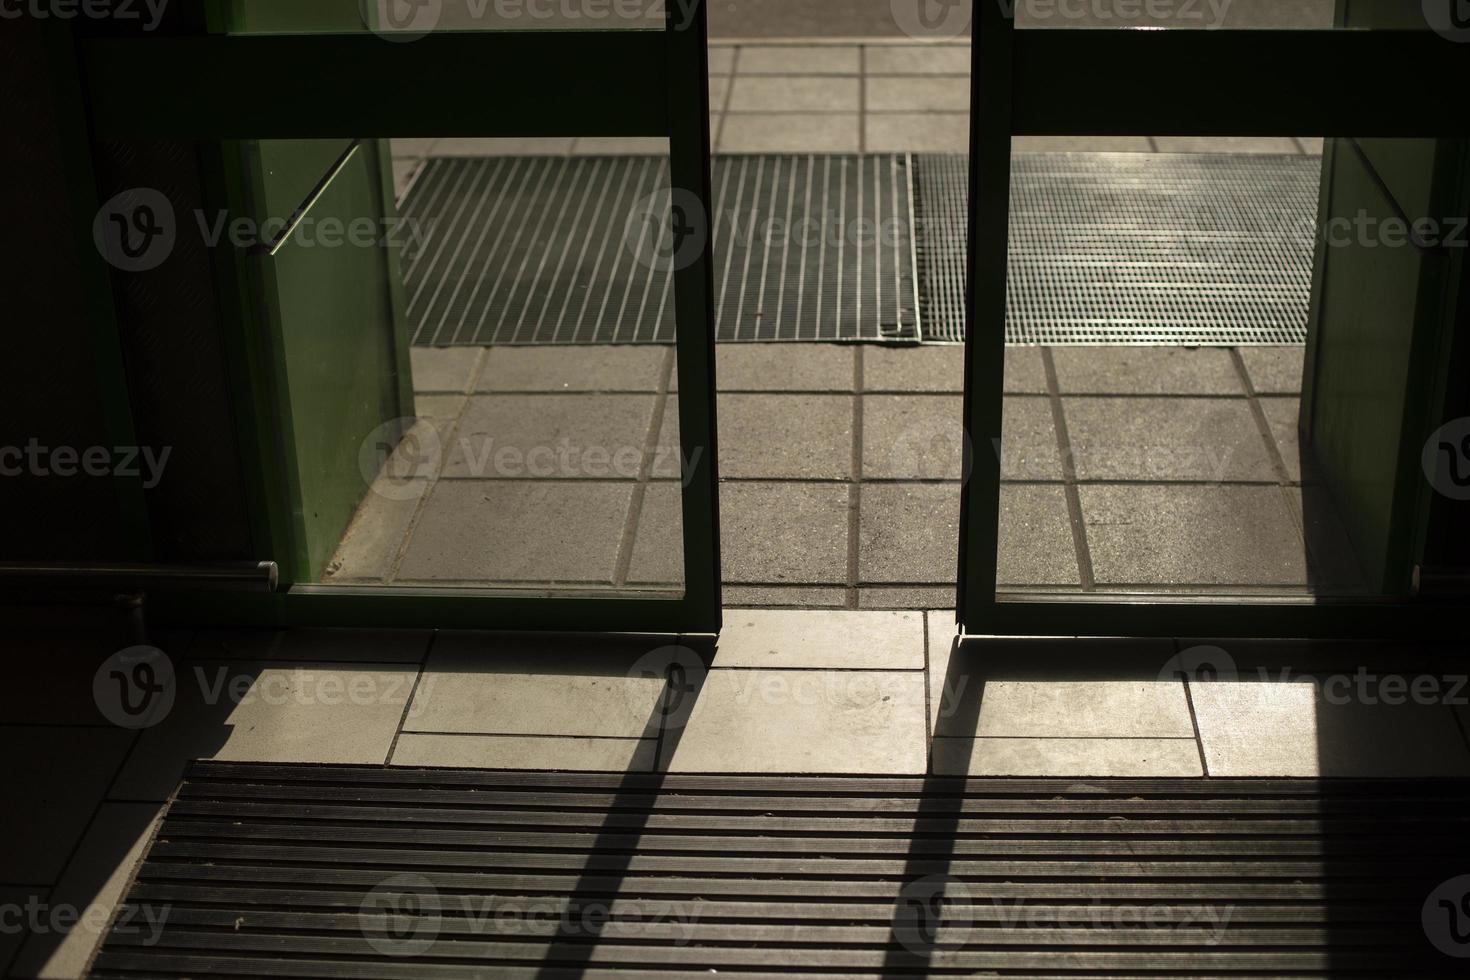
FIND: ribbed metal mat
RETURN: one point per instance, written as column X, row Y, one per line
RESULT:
column 305, row 871
column 560, row 250
column 1132, row 248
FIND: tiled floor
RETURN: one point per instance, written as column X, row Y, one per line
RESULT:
column 783, row 691
column 841, row 466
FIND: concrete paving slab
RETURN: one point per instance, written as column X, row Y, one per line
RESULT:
column 93, row 884
column 560, row 437
column 1025, row 372
column 544, row 753
column 913, row 369
column 1146, row 371
column 1036, row 545
column 788, row 59
column 925, row 59
column 803, row 721
column 601, row 367
column 909, row 533
column 658, row 544
column 1192, row 535
column 792, row 596
column 372, row 540
column 908, row 132
column 779, row 533
column 412, row 148
column 793, row 93
column 776, row 436
column 1163, row 439
column 1083, row 757
column 253, row 711
column 818, row 639
column 61, row 774
column 721, row 58
column 643, row 146
column 1274, row 370
column 914, row 437
column 518, row 531
column 789, row 132
column 1282, row 415
column 719, row 93
column 1081, row 144
column 780, row 367
column 445, row 369
column 1289, row 729
column 941, row 368
column 1227, row 144
column 503, row 146
column 933, row 93
column 527, row 684
column 404, row 172
column 1029, row 448
column 439, row 410
column 1056, row 709
column 904, row 596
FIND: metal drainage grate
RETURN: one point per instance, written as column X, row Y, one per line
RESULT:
column 556, row 250
column 306, row 871
column 1132, row 248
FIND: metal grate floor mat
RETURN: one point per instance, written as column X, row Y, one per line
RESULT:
column 565, row 250
column 1132, row 248
column 316, row 871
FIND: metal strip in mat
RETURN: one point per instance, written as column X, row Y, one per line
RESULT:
column 563, row 250
column 276, row 870
column 1132, row 248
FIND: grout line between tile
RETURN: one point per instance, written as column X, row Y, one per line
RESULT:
column 598, row 738
column 928, row 707
column 1063, row 738
column 1086, row 579
column 1199, row 738
column 862, row 120
column 1263, row 427
column 645, row 471
column 408, row 704
column 855, row 484
column 718, row 137
column 420, row 505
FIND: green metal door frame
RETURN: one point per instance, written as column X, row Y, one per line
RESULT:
column 1025, row 82
column 469, row 84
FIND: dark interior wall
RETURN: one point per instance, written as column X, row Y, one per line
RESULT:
column 50, row 394
column 169, row 321
column 163, row 326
